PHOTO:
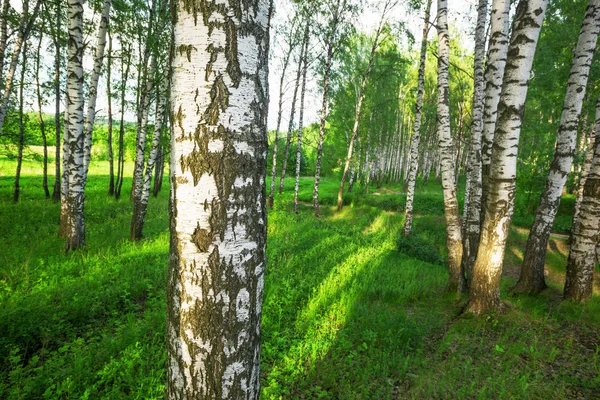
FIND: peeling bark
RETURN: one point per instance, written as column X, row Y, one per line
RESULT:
column 217, row 207
column 586, row 231
column 484, row 292
column 74, row 200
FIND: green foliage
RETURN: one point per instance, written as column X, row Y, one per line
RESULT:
column 419, row 248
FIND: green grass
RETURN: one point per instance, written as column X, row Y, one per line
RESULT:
column 346, row 314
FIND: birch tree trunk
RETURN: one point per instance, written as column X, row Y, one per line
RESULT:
column 111, row 160
column 473, row 206
column 93, row 90
column 585, row 170
column 291, row 124
column 17, row 190
column 121, row 156
column 301, row 116
column 140, row 205
column 25, row 25
column 586, row 230
column 74, row 201
column 484, row 292
column 41, row 118
column 416, row 136
column 286, row 62
column 494, row 72
column 361, row 98
column 453, row 233
column 532, row 271
column 217, row 209
column 56, row 191
column 3, row 38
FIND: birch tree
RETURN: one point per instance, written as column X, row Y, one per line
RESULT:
column 453, row 233
column 472, row 206
column 304, row 63
column 21, row 145
column 484, row 294
column 585, row 232
column 74, row 200
column 40, row 102
column 291, row 43
column 416, row 135
column 93, row 89
column 56, row 191
column 532, row 270
column 494, row 72
column 217, row 209
column 25, row 25
column 361, row 97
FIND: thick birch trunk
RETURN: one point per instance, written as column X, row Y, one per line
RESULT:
column 75, row 226
column 416, row 136
column 586, row 230
column 17, row 189
column 585, row 170
column 286, row 61
column 453, row 233
column 472, row 221
column 301, row 117
column 217, row 209
column 93, row 90
column 494, row 72
column 532, row 270
column 484, row 292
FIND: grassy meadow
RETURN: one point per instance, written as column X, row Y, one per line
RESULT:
column 351, row 310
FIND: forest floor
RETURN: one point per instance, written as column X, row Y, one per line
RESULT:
column 351, row 309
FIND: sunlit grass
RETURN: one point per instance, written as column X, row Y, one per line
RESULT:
column 346, row 315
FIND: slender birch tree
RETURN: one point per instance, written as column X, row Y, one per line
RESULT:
column 361, row 97
column 40, row 102
column 304, row 63
column 109, row 139
column 484, row 294
column 217, row 210
column 74, row 200
column 25, row 25
column 472, row 207
column 56, row 191
column 93, row 88
column 416, row 135
column 586, row 230
column 453, row 232
column 532, row 270
column 21, row 145
column 291, row 43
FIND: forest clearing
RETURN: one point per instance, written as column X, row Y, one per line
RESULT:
column 338, row 199
column 348, row 311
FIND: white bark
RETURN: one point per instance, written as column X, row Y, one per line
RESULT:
column 301, row 116
column 586, row 230
column 485, row 288
column 218, row 212
column 453, row 232
column 532, row 271
column 472, row 213
column 494, row 72
column 416, row 136
column 93, row 91
column 74, row 199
